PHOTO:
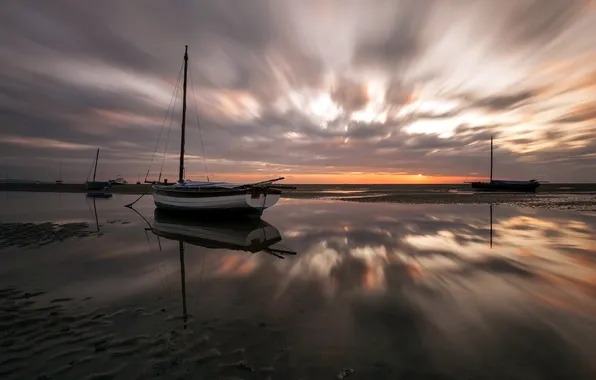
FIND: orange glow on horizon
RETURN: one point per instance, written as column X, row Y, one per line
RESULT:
column 338, row 179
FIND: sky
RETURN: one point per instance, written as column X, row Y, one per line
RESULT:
column 326, row 91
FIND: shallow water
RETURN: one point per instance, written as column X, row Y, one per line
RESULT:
column 374, row 291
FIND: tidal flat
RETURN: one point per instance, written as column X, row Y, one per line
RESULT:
column 315, row 289
column 571, row 196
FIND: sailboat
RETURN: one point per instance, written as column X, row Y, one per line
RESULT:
column 504, row 185
column 96, row 185
column 213, row 196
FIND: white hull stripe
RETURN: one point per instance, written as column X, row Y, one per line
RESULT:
column 240, row 201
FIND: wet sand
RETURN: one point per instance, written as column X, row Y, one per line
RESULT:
column 376, row 291
column 57, row 338
column 31, row 235
column 71, row 188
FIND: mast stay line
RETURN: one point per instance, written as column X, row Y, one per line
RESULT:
column 170, row 108
column 199, row 124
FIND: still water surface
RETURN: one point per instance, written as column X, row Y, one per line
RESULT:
column 315, row 290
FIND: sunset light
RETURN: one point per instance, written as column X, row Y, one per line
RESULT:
column 304, row 87
column 293, row 189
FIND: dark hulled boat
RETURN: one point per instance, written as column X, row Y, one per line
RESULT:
column 96, row 185
column 500, row 185
column 503, row 185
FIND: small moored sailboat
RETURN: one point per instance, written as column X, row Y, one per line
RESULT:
column 213, row 196
column 95, row 185
column 504, row 185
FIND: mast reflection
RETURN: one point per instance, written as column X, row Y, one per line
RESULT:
column 95, row 214
column 491, row 226
column 241, row 234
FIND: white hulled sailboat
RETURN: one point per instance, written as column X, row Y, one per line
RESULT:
column 213, row 196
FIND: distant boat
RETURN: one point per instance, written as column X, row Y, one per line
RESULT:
column 59, row 180
column 96, row 185
column 504, row 185
column 213, row 196
column 118, row 181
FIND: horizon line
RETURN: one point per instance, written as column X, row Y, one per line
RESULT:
column 25, row 181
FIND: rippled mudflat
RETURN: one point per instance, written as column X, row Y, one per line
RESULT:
column 315, row 290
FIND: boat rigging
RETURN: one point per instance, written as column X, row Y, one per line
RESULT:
column 209, row 196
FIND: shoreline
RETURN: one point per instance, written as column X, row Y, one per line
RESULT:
column 560, row 196
column 71, row 188
column 319, row 189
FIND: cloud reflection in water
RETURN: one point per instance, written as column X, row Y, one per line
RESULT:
column 393, row 290
column 343, row 245
column 424, row 280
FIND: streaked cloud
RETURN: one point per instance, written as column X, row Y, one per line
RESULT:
column 381, row 86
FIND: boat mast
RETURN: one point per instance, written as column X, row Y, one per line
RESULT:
column 491, row 158
column 95, row 168
column 181, row 170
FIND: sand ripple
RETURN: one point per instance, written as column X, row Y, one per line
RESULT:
column 42, row 338
column 39, row 234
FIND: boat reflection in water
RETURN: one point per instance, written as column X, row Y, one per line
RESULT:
column 93, row 199
column 242, row 234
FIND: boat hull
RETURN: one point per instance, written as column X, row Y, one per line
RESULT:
column 242, row 201
column 522, row 187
